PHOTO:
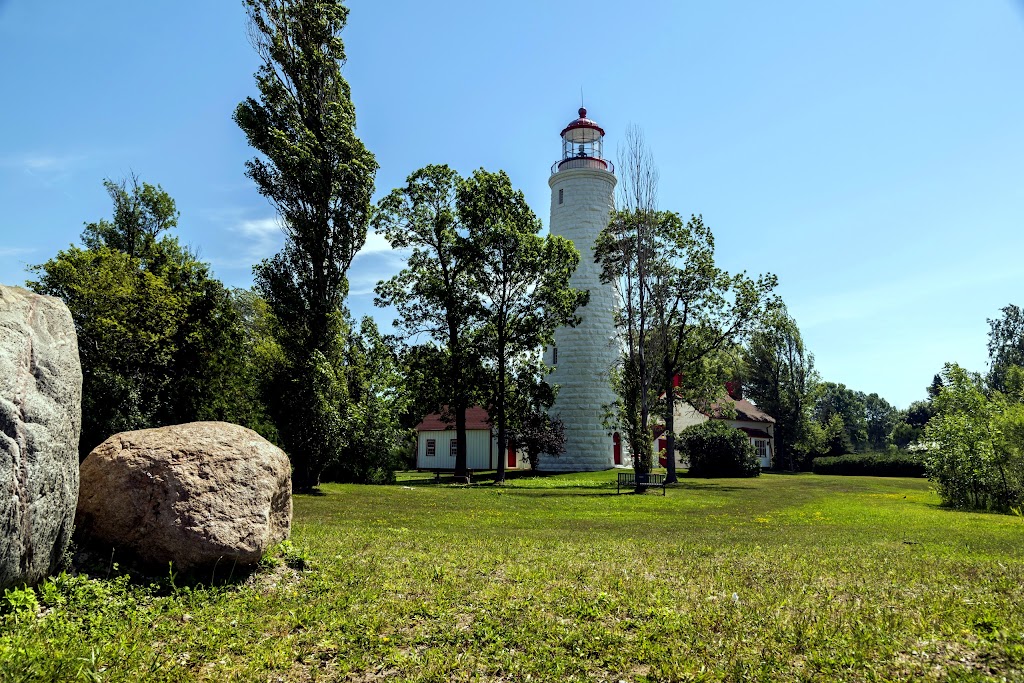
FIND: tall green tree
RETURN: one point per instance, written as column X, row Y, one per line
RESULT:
column 1005, row 345
column 699, row 312
column 880, row 417
column 779, row 376
column 158, row 336
column 679, row 311
column 522, row 280
column 837, row 401
column 436, row 295
column 378, row 397
column 626, row 252
column 319, row 176
column 259, row 360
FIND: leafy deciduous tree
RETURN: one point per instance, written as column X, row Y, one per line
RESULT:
column 1005, row 345
column 522, row 280
column 435, row 294
column 880, row 418
column 679, row 310
column 626, row 252
column 699, row 312
column 969, row 458
column 319, row 177
column 158, row 336
column 835, row 400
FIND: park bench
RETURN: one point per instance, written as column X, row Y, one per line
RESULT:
column 439, row 472
column 631, row 480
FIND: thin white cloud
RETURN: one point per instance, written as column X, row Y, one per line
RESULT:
column 259, row 229
column 375, row 244
column 16, row 251
column 264, row 237
column 36, row 163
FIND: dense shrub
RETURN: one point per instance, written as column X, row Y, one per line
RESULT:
column 715, row 449
column 898, row 464
column 975, row 455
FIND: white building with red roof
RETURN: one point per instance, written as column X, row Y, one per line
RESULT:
column 436, row 442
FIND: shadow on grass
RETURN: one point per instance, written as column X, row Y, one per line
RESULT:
column 489, row 478
column 704, row 485
column 102, row 561
column 535, row 483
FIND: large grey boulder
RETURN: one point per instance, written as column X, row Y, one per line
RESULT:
column 193, row 494
column 40, row 422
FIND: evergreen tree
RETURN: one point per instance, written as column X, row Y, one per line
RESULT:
column 779, row 376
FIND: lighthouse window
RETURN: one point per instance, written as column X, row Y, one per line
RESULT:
column 560, row 196
column 554, row 355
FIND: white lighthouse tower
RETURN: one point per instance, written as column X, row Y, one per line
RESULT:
column 582, row 187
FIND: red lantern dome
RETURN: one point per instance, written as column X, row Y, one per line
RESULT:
column 583, row 146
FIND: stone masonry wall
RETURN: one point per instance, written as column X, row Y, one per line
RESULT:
column 587, row 352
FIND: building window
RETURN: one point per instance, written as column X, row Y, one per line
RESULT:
column 431, row 447
column 761, row 448
column 560, row 195
column 554, row 355
column 453, row 447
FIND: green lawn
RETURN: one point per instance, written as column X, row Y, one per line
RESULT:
column 782, row 577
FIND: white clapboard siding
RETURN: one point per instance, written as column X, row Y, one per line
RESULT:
column 479, row 452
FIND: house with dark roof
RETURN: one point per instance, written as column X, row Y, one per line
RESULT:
column 735, row 411
column 436, row 443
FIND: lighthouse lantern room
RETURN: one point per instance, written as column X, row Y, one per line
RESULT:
column 583, row 146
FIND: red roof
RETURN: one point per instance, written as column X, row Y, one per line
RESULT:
column 583, row 122
column 476, row 418
column 745, row 410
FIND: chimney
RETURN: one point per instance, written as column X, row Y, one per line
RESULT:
column 735, row 389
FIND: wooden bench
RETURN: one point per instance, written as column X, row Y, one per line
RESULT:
column 631, row 480
column 439, row 472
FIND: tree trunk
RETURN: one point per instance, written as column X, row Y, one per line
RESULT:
column 461, row 468
column 306, row 477
column 458, row 388
column 670, row 433
column 499, row 409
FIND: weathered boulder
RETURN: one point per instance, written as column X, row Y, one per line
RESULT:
column 192, row 494
column 40, row 422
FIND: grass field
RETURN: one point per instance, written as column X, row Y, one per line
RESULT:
column 784, row 577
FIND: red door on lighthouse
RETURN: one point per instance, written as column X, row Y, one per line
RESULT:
column 511, row 457
column 617, row 440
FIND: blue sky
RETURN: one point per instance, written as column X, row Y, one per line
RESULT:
column 870, row 153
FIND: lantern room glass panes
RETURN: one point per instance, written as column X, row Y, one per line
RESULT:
column 582, row 146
